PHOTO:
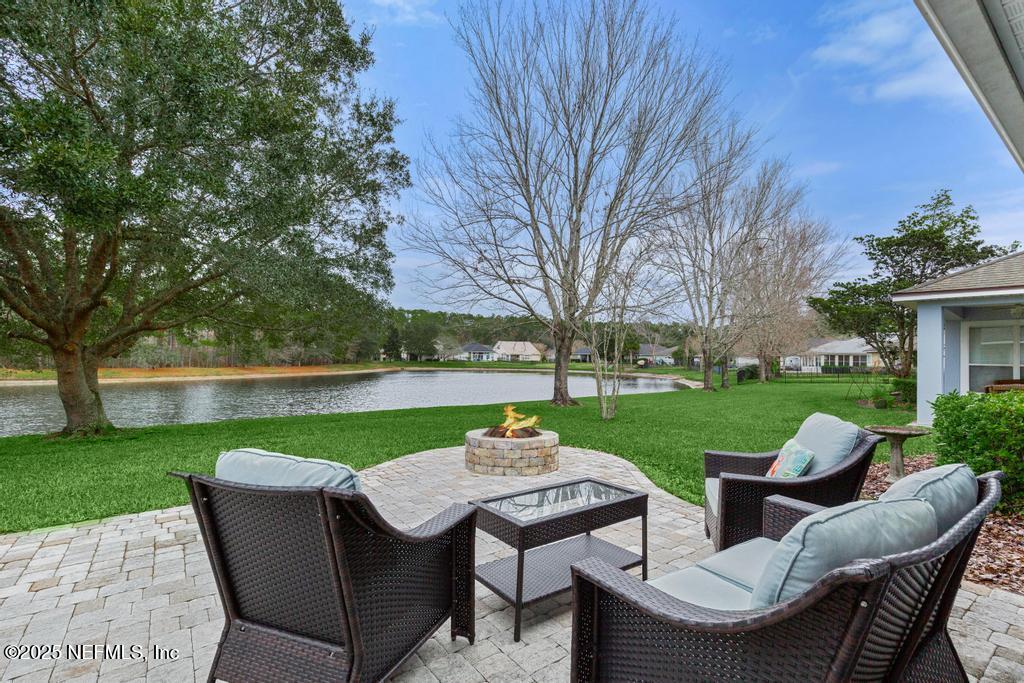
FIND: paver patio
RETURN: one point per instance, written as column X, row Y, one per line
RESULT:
column 143, row 580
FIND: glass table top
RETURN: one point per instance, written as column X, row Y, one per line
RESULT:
column 551, row 501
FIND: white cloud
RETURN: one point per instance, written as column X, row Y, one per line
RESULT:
column 763, row 33
column 813, row 169
column 409, row 11
column 885, row 51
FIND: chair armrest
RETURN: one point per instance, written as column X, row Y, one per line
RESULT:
column 717, row 462
column 625, row 628
column 781, row 514
column 443, row 522
column 458, row 521
column 741, row 502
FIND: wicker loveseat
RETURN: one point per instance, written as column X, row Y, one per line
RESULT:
column 317, row 586
column 880, row 619
column 735, row 487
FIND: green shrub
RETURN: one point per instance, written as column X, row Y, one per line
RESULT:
column 986, row 431
column 746, row 372
column 907, row 386
column 880, row 396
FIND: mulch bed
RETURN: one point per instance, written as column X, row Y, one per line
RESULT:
column 998, row 558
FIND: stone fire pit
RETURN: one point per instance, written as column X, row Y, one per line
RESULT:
column 511, row 457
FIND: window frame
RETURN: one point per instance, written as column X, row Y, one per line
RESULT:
column 965, row 349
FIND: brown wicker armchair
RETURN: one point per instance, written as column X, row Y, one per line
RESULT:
column 735, row 515
column 870, row 620
column 317, row 586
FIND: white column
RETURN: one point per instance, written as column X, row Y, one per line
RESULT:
column 929, row 359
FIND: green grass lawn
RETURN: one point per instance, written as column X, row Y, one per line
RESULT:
column 46, row 482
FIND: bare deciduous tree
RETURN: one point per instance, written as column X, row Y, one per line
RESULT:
column 797, row 261
column 582, row 115
column 708, row 245
column 632, row 293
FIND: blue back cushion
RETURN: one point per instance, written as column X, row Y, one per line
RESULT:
column 829, row 438
column 263, row 468
column 835, row 536
column 952, row 491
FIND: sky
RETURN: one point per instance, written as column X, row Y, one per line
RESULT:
column 857, row 95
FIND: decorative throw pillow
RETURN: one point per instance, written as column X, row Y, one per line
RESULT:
column 792, row 461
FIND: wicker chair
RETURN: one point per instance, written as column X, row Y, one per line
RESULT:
column 317, row 586
column 870, row 620
column 742, row 488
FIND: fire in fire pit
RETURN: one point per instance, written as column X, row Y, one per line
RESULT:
column 515, row 426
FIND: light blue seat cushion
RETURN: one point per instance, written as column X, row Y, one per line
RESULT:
column 829, row 438
column 711, row 492
column 700, row 587
column 741, row 564
column 833, row 537
column 263, row 468
column 952, row 491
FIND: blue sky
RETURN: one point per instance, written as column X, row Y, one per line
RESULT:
column 858, row 96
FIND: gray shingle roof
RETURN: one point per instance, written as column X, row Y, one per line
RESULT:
column 473, row 347
column 1006, row 272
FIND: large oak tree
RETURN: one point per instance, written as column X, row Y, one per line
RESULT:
column 170, row 164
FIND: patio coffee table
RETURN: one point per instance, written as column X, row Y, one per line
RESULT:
column 550, row 528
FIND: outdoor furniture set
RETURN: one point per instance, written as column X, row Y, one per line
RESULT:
column 317, row 586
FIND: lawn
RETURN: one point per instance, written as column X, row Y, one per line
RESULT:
column 46, row 482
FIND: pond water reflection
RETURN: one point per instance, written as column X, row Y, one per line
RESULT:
column 35, row 409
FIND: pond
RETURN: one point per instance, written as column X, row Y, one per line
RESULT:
column 36, row 409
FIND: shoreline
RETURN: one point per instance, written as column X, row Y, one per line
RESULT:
column 682, row 381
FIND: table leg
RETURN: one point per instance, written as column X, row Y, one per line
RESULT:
column 519, row 596
column 644, row 551
column 896, row 470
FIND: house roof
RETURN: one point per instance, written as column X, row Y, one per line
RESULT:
column 516, row 348
column 1003, row 275
column 582, row 351
column 841, row 346
column 654, row 350
column 985, row 41
column 473, row 347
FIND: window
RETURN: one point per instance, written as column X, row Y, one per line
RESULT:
column 993, row 353
column 860, row 360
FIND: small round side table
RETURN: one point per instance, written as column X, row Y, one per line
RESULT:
column 896, row 435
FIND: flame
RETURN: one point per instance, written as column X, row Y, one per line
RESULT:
column 514, row 421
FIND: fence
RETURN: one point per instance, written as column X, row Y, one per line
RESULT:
column 837, row 374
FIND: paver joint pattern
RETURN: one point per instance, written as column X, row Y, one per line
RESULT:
column 138, row 582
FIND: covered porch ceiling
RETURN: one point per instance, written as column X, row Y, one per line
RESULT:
column 985, row 40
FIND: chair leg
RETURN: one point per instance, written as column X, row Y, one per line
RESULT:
column 935, row 660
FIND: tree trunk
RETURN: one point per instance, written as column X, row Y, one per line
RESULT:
column 705, row 363
column 725, row 372
column 762, row 368
column 78, row 387
column 563, row 351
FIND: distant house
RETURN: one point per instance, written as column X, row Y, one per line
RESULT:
column 582, row 355
column 839, row 353
column 656, row 354
column 517, row 351
column 476, row 353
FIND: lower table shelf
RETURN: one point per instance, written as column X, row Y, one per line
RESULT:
column 546, row 570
